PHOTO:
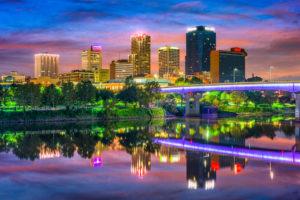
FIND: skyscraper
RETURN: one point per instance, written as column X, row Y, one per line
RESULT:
column 168, row 60
column 140, row 55
column 46, row 65
column 228, row 66
column 200, row 41
column 121, row 69
column 91, row 59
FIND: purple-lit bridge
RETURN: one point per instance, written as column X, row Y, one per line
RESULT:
column 194, row 92
column 265, row 155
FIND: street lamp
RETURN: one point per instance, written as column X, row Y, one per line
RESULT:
column 234, row 71
column 270, row 73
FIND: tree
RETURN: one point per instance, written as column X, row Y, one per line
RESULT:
column 68, row 94
column 104, row 95
column 129, row 94
column 254, row 96
column 129, row 82
column 2, row 96
column 85, row 92
column 51, row 96
column 254, row 79
column 195, row 80
column 28, row 95
column 182, row 82
column 151, row 93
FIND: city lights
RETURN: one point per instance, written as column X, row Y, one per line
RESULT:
column 274, row 156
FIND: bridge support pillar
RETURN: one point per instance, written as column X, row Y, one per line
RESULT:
column 297, row 138
column 192, row 105
column 297, row 109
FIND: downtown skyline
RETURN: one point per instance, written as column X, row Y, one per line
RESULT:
column 268, row 30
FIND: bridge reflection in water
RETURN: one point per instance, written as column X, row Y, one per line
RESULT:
column 289, row 157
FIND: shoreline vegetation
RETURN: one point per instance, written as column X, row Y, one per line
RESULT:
column 83, row 102
column 31, row 116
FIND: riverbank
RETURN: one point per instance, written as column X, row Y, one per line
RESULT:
column 33, row 116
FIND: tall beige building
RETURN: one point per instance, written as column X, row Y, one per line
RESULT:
column 91, row 59
column 140, row 55
column 168, row 61
column 46, row 65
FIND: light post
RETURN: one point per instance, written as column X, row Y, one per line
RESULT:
column 270, row 73
column 234, row 71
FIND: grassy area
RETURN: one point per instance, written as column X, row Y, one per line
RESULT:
column 82, row 113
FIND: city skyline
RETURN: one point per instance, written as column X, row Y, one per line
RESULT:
column 272, row 38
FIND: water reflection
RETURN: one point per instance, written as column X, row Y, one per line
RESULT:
column 205, row 147
column 140, row 162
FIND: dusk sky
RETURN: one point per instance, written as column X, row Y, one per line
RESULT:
column 269, row 30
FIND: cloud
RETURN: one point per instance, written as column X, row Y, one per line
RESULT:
column 188, row 7
column 11, row 1
column 87, row 14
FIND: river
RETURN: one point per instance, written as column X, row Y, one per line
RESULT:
column 231, row 158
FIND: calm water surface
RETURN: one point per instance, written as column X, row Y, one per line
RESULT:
column 168, row 159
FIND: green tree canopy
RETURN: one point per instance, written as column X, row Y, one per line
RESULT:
column 68, row 94
column 129, row 94
column 51, row 96
column 28, row 95
column 195, row 80
column 85, row 92
column 104, row 94
column 129, row 82
column 150, row 93
column 254, row 79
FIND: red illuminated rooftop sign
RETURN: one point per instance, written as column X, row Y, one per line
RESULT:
column 238, row 50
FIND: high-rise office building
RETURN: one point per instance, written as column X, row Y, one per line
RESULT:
column 91, row 59
column 228, row 66
column 168, row 61
column 200, row 40
column 46, row 65
column 121, row 69
column 140, row 55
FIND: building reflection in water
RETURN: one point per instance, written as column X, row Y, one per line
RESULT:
column 201, row 167
column 46, row 152
column 140, row 162
column 168, row 154
column 199, row 173
column 96, row 160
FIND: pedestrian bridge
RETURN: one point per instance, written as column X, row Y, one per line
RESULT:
column 293, row 87
column 288, row 157
column 193, row 93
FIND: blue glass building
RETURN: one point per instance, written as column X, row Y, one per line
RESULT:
column 200, row 41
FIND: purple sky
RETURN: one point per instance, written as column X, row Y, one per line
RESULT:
column 269, row 30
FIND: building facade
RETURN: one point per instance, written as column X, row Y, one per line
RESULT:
column 101, row 75
column 200, row 40
column 140, row 55
column 77, row 76
column 91, row 59
column 13, row 77
column 228, row 66
column 121, row 69
column 46, row 65
column 168, row 61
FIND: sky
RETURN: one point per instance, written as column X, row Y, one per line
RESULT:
column 268, row 29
